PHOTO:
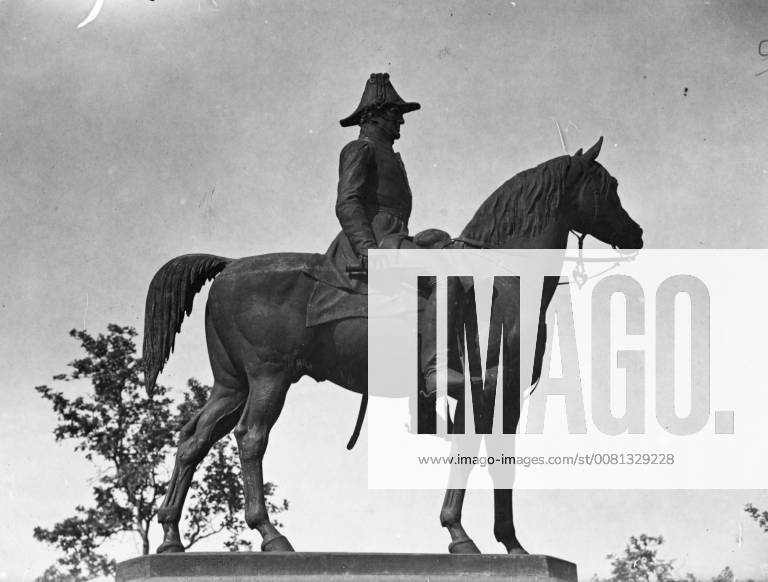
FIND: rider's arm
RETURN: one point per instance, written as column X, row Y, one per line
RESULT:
column 357, row 167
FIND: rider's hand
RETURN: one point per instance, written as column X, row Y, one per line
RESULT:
column 362, row 254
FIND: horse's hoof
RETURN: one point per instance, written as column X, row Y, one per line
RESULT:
column 277, row 544
column 465, row 546
column 170, row 548
column 517, row 551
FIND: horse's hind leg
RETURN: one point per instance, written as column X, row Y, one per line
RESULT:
column 268, row 385
column 215, row 419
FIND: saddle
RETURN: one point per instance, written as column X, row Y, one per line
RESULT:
column 334, row 298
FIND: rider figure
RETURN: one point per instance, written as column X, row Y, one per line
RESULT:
column 374, row 198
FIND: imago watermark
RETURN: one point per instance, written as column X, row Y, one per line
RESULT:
column 495, row 369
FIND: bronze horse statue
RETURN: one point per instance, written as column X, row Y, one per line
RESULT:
column 259, row 343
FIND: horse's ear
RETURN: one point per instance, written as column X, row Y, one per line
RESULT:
column 576, row 170
column 592, row 152
column 580, row 152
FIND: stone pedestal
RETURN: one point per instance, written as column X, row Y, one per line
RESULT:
column 343, row 567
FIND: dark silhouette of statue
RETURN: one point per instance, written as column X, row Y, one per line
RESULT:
column 272, row 319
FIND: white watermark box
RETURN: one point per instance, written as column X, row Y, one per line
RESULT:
column 652, row 376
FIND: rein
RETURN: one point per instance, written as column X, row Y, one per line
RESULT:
column 580, row 274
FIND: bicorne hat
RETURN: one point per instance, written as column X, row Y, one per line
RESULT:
column 378, row 93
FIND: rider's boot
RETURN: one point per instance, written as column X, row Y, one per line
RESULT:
column 428, row 355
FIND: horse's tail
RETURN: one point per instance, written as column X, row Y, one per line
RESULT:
column 170, row 295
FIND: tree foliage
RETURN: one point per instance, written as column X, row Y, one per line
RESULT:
column 760, row 516
column 725, row 575
column 129, row 436
column 640, row 562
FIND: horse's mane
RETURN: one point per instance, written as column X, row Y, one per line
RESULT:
column 522, row 206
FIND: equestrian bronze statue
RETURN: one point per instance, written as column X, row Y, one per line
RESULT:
column 273, row 319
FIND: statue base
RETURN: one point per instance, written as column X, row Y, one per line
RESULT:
column 338, row 567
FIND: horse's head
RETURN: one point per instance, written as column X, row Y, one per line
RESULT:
column 592, row 203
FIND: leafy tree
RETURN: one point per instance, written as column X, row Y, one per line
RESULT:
column 54, row 574
column 640, row 562
column 761, row 517
column 129, row 436
column 725, row 575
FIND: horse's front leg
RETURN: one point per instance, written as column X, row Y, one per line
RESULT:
column 503, row 524
column 503, row 478
column 503, row 475
column 268, row 387
column 450, row 518
column 450, row 514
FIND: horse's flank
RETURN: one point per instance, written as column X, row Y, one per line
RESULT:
column 174, row 286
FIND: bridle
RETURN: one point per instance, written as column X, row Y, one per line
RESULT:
column 580, row 274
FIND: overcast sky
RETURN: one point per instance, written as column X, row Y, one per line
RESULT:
column 172, row 127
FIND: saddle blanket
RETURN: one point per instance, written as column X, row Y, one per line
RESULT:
column 333, row 298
